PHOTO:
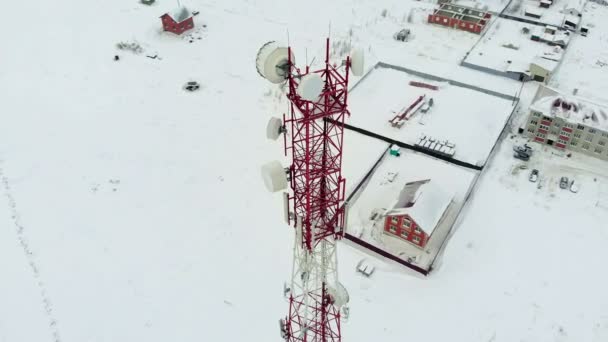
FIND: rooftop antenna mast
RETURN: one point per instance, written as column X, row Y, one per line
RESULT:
column 314, row 207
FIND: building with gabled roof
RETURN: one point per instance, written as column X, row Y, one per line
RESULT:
column 418, row 210
column 178, row 21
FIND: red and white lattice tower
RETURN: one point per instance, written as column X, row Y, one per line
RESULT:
column 315, row 206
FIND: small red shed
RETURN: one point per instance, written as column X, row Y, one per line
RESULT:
column 420, row 208
column 178, row 22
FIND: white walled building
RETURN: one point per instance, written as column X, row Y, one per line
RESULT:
column 568, row 122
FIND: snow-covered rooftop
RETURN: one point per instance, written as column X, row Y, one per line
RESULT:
column 429, row 204
column 553, row 15
column 506, row 48
column 573, row 109
column 384, row 92
column 545, row 63
column 180, row 14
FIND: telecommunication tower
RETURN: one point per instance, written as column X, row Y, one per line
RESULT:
column 313, row 134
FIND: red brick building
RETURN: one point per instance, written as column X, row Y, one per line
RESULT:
column 460, row 17
column 420, row 208
column 178, row 22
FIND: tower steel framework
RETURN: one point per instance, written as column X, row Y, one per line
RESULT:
column 316, row 203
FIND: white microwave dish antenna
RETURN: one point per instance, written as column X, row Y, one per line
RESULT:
column 357, row 62
column 310, row 87
column 274, row 128
column 272, row 62
column 274, row 176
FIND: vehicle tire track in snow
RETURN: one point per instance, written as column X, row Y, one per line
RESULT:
column 31, row 259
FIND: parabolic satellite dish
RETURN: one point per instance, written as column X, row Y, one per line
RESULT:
column 272, row 62
column 339, row 295
column 310, row 87
column 357, row 61
column 274, row 176
column 274, row 128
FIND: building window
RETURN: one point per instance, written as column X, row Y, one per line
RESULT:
column 577, row 135
column 394, row 219
column 569, row 125
column 601, row 143
column 533, row 122
column 407, row 223
column 581, row 127
column 416, row 239
column 598, row 150
column 531, row 129
column 589, row 138
column 540, row 135
column 393, row 229
column 573, row 143
column 417, row 230
column 585, row 146
column 591, row 131
column 545, row 127
column 548, row 118
column 404, row 234
column 536, row 114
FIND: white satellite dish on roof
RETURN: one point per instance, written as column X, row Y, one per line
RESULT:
column 274, row 128
column 274, row 176
column 357, row 61
column 310, row 87
column 272, row 62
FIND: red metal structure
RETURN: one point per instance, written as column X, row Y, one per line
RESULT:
column 318, row 192
column 407, row 112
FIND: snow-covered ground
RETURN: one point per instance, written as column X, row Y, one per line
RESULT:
column 134, row 211
column 585, row 64
column 386, row 92
column 358, row 162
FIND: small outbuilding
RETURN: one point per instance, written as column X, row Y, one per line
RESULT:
column 178, row 22
column 533, row 13
column 541, row 69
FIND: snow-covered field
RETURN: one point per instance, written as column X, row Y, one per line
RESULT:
column 134, row 211
column 357, row 163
